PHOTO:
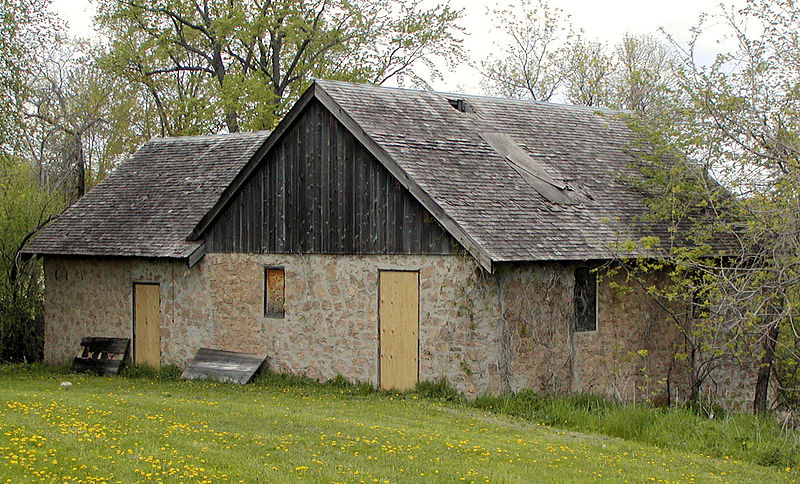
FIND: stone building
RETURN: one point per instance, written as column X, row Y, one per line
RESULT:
column 383, row 234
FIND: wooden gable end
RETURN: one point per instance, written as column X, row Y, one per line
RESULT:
column 319, row 191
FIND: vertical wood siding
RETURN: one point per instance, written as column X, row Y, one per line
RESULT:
column 320, row 191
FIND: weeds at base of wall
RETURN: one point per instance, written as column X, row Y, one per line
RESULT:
column 33, row 370
column 163, row 373
column 356, row 388
column 439, row 389
column 42, row 370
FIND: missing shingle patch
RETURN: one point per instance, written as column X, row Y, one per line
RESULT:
column 461, row 105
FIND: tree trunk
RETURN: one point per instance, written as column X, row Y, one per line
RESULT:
column 76, row 154
column 696, row 381
column 765, row 369
column 232, row 121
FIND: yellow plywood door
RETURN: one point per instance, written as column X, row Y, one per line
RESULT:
column 398, row 311
column 146, row 324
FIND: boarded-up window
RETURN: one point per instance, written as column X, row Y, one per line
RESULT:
column 273, row 292
column 585, row 299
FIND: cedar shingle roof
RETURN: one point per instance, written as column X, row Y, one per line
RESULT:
column 150, row 203
column 511, row 180
column 447, row 153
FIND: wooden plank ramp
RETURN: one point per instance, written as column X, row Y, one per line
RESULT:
column 103, row 356
column 224, row 366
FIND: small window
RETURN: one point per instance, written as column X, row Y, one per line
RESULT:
column 273, row 292
column 61, row 274
column 585, row 299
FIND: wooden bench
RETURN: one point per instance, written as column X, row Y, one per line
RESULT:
column 104, row 356
column 226, row 366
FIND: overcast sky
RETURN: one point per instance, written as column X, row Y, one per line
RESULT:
column 604, row 20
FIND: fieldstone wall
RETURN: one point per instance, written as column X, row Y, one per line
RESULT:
column 330, row 326
column 94, row 297
column 485, row 333
column 732, row 384
column 629, row 357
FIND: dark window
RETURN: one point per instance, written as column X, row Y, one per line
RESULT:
column 273, row 291
column 585, row 299
column 61, row 274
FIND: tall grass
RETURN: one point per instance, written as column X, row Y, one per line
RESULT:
column 745, row 437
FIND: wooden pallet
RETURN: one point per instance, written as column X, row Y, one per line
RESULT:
column 226, row 366
column 104, row 356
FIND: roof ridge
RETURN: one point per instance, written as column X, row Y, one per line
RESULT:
column 203, row 137
column 458, row 95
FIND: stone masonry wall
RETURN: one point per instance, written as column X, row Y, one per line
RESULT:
column 484, row 333
column 330, row 325
column 632, row 353
column 94, row 297
column 628, row 357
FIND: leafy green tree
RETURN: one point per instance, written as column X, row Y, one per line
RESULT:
column 24, row 208
column 544, row 57
column 217, row 65
column 644, row 74
column 588, row 71
column 738, row 119
column 78, row 121
column 23, row 25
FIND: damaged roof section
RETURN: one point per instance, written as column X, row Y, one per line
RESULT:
column 552, row 189
column 535, row 173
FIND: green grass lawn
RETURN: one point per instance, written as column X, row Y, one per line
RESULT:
column 137, row 429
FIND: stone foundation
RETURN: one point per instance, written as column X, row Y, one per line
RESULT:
column 484, row 333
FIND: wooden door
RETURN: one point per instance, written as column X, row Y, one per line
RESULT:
column 398, row 313
column 146, row 324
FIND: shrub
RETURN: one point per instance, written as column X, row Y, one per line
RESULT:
column 21, row 328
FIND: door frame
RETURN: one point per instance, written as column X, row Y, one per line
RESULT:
column 133, row 317
column 378, row 312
